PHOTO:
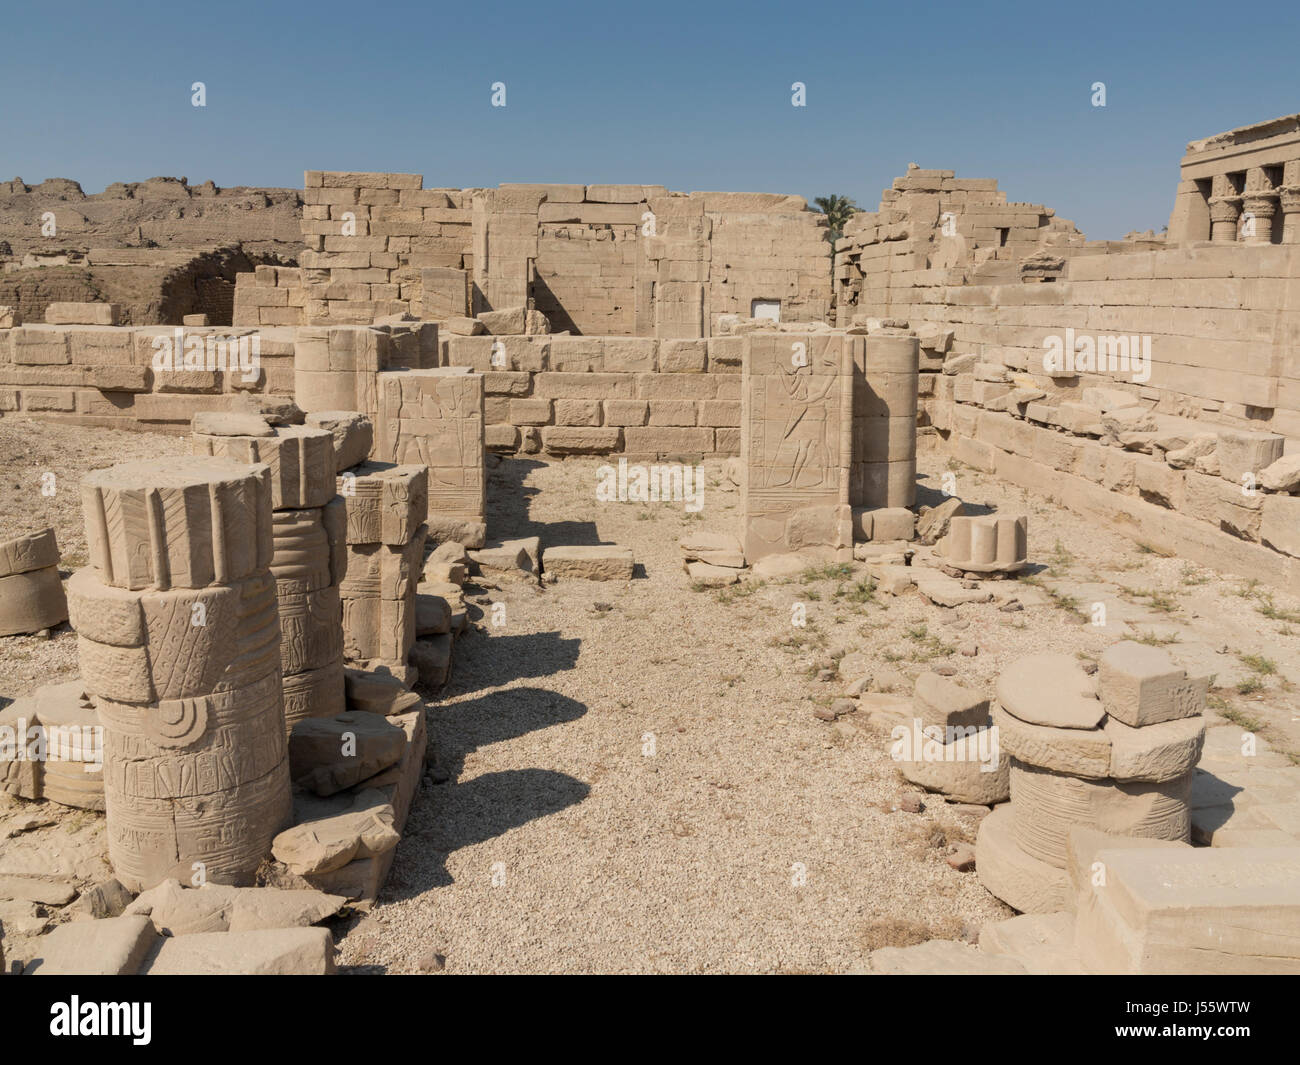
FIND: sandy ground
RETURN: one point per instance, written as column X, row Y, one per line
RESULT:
column 629, row 777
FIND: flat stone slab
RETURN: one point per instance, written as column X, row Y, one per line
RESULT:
column 1052, row 690
column 599, row 562
column 1202, row 910
column 711, row 576
column 509, row 556
column 775, row 566
column 943, row 590
column 267, row 952
column 942, row 957
column 177, row 911
column 1042, row 942
column 116, row 946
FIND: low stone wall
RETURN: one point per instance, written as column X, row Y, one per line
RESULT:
column 105, row 375
column 635, row 396
column 1128, row 467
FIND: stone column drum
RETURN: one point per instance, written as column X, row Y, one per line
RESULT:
column 179, row 642
column 31, row 594
column 885, row 382
column 307, row 560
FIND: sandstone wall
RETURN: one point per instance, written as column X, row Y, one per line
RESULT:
column 618, row 260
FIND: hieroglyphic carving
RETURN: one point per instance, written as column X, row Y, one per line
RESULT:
column 435, row 418
column 795, row 437
column 186, row 678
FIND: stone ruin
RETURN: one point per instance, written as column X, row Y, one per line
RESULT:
column 253, row 609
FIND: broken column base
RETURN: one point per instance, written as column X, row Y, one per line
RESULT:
column 1022, row 882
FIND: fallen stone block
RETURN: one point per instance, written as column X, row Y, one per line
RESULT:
column 266, row 952
column 1141, row 685
column 116, row 946
column 353, row 432
column 431, row 657
column 710, row 576
column 378, row 693
column 328, row 755
column 1203, row 910
column 329, row 838
column 1042, row 942
column 600, row 562
column 511, row 557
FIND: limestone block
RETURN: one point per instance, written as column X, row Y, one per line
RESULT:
column 1203, row 910
column 1243, row 454
column 82, row 314
column 890, row 523
column 1141, row 685
column 353, row 434
column 378, row 592
column 115, row 946
column 941, row 957
column 335, row 837
column 1282, row 475
column 969, row 768
column 383, row 503
column 1048, row 804
column 1280, row 524
column 987, row 543
column 328, row 755
column 182, row 911
column 264, row 952
column 186, row 522
column 941, row 701
column 431, row 657
column 509, row 556
column 604, row 562
column 708, row 575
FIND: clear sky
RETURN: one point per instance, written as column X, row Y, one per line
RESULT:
column 688, row 95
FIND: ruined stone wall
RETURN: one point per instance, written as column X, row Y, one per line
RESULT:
column 619, row 260
column 1223, row 323
column 636, row 396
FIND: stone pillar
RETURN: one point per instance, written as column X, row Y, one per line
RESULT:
column 434, row 418
column 1289, row 201
column 179, row 643
column 385, row 508
column 795, row 441
column 1224, row 212
column 885, row 378
column 307, row 560
column 1259, row 205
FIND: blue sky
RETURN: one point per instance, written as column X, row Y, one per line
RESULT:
column 688, row 95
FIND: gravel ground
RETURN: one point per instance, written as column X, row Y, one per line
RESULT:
column 629, row 776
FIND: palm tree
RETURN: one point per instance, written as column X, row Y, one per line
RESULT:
column 837, row 210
